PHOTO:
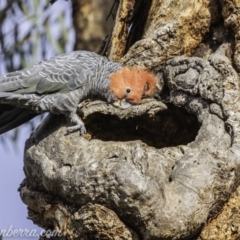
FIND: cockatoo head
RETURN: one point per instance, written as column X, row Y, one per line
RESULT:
column 130, row 84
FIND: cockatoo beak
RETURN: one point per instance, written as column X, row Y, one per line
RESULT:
column 123, row 104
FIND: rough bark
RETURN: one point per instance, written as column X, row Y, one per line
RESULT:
column 159, row 170
column 226, row 225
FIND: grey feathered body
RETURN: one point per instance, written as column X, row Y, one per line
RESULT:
column 56, row 85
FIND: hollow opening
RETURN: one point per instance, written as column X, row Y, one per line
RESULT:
column 138, row 21
column 169, row 128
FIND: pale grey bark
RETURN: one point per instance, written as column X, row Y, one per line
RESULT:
column 162, row 193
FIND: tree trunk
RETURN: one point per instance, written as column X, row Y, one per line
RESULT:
column 161, row 170
column 91, row 22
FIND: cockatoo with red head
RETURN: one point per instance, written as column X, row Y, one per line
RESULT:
column 59, row 84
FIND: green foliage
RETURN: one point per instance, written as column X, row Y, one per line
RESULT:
column 31, row 31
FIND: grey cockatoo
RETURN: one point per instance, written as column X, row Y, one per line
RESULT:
column 59, row 84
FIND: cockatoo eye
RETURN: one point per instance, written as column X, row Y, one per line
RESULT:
column 128, row 90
